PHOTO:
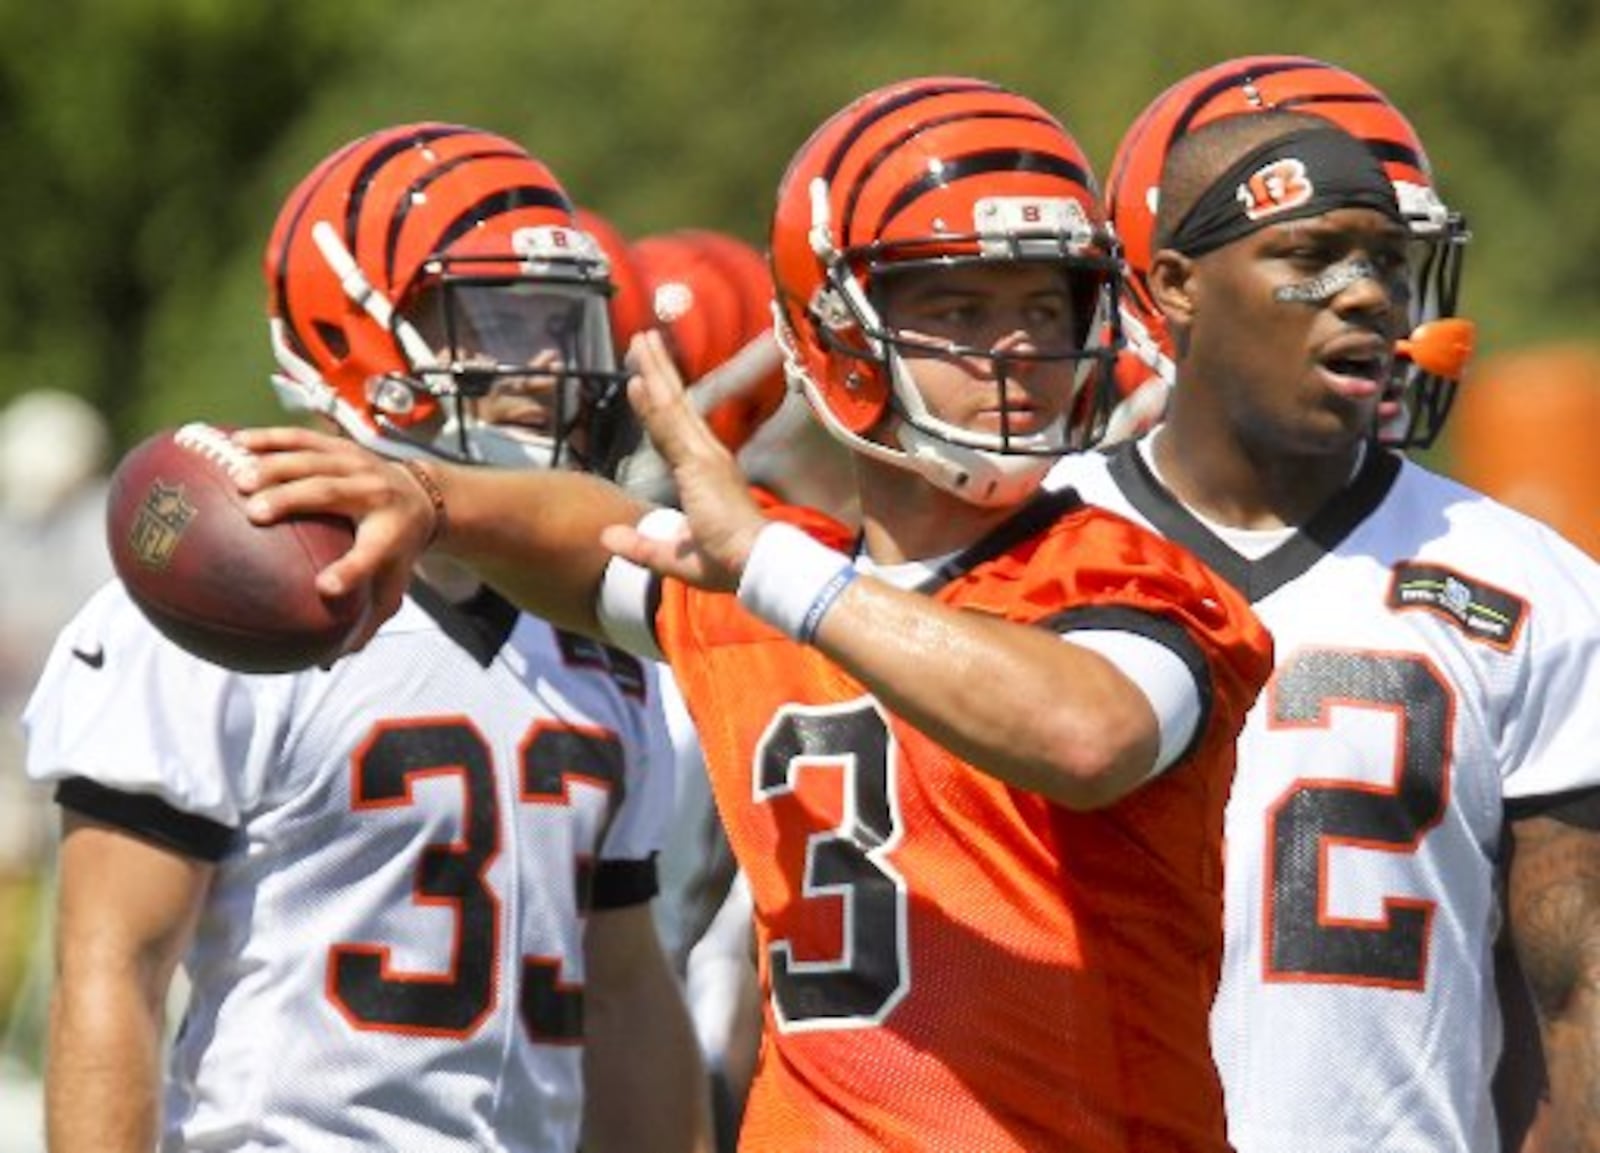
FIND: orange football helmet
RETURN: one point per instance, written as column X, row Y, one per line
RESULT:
column 937, row 171
column 1422, row 399
column 418, row 267
column 711, row 295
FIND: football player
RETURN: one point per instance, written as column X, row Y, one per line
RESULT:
column 1425, row 722
column 410, row 891
column 972, row 758
column 1421, row 394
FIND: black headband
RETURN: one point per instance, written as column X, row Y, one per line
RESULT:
column 1306, row 173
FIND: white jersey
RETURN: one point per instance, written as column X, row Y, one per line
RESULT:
column 1434, row 655
column 391, row 952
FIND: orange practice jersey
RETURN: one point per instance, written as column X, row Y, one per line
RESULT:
column 949, row 963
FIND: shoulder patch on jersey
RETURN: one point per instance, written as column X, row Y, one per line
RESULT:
column 1480, row 610
column 625, row 669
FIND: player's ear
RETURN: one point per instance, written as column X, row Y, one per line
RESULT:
column 1172, row 287
column 1172, row 284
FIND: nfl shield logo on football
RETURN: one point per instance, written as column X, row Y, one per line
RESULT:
column 163, row 516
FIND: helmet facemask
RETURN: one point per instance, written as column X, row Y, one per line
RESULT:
column 986, row 468
column 508, row 359
column 522, row 368
column 1437, row 251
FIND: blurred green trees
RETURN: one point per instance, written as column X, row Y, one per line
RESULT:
column 147, row 143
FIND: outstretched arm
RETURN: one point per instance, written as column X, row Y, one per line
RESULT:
column 533, row 534
column 1071, row 724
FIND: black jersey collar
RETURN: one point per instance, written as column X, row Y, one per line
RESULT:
column 1256, row 579
column 1032, row 519
column 480, row 625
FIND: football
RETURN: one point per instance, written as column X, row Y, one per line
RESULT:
column 238, row 594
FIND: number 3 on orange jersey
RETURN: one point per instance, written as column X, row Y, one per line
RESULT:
column 847, row 864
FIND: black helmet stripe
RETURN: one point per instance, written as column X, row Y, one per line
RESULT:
column 864, row 176
column 497, row 204
column 909, row 97
column 1296, row 103
column 411, row 195
column 1392, row 151
column 374, row 164
column 1234, row 79
column 280, row 280
column 983, row 163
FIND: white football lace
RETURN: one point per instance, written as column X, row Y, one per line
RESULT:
column 215, row 445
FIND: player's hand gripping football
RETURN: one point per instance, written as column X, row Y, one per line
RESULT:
column 300, row 469
column 714, row 494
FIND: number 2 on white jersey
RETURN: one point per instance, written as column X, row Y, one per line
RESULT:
column 1303, row 943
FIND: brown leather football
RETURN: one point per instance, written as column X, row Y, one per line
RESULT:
column 229, row 591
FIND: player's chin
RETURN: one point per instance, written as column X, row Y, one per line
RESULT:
column 1334, row 426
column 1015, row 423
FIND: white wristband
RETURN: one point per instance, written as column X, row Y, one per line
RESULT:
column 791, row 580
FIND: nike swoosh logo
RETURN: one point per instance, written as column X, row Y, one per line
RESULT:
column 94, row 657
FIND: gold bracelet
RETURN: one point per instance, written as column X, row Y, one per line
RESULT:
column 435, row 495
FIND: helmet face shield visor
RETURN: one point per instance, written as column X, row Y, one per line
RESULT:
column 479, row 331
column 521, row 367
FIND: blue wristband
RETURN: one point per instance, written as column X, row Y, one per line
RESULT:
column 830, row 593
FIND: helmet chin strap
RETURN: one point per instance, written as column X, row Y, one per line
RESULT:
column 977, row 476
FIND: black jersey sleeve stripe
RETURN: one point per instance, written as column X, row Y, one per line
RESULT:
column 653, row 608
column 148, row 817
column 1164, row 631
column 621, row 884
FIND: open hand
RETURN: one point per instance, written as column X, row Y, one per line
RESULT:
column 723, row 518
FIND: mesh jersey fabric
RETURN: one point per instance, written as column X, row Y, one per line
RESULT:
column 391, row 952
column 950, row 963
column 1434, row 650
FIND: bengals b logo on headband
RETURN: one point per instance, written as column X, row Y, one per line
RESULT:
column 1275, row 188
